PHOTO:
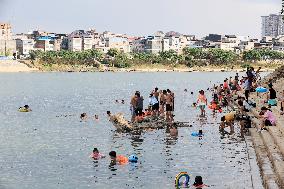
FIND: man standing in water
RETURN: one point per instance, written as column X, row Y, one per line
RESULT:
column 169, row 106
column 140, row 100
column 133, row 107
column 173, row 97
column 154, row 104
column 162, row 103
column 247, row 87
column 156, row 94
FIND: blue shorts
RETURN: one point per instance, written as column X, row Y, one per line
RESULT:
column 272, row 102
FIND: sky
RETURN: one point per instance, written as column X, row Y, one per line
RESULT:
column 139, row 17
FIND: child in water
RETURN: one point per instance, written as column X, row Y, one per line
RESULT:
column 96, row 154
column 120, row 159
column 198, row 183
column 83, row 116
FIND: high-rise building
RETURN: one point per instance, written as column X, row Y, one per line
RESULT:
column 272, row 25
column 5, row 31
column 7, row 44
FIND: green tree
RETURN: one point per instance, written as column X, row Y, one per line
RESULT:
column 113, row 52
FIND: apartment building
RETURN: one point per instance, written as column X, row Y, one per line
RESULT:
column 174, row 43
column 24, row 46
column 5, row 31
column 137, row 44
column 154, row 44
column 7, row 44
column 116, row 41
column 272, row 25
column 246, row 45
column 229, row 43
column 75, row 43
column 87, row 42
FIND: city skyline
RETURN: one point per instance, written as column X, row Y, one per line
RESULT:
column 140, row 18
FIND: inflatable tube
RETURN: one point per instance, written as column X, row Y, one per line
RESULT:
column 179, row 176
column 261, row 90
column 196, row 134
column 133, row 158
column 212, row 106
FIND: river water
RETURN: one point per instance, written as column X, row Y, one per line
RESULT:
column 49, row 147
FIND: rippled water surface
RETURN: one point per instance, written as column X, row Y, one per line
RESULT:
column 49, row 147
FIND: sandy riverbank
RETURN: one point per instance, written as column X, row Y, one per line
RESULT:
column 14, row 66
column 28, row 66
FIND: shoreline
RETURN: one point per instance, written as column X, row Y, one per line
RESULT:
column 14, row 66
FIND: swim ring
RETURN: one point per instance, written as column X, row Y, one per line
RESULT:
column 261, row 90
column 179, row 176
column 133, row 158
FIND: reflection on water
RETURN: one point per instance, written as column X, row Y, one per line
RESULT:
column 50, row 147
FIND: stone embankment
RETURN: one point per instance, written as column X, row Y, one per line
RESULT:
column 269, row 145
column 14, row 66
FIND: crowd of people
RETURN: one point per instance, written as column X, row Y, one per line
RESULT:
column 237, row 91
column 160, row 106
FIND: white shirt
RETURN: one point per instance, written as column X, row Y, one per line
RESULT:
column 153, row 100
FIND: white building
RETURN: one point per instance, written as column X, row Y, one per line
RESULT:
column 174, row 43
column 7, row 44
column 272, row 25
column 79, row 40
column 87, row 42
column 279, row 43
column 24, row 46
column 154, row 44
column 137, row 45
column 116, row 41
column 75, row 43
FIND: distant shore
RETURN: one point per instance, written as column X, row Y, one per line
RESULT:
column 29, row 66
column 15, row 66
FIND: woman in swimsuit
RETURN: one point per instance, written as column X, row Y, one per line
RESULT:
column 202, row 102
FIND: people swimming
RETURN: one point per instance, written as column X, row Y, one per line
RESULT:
column 118, row 159
column 96, row 154
column 119, row 101
column 139, row 117
column 199, row 134
column 198, row 183
column 83, row 116
column 173, row 130
column 26, row 108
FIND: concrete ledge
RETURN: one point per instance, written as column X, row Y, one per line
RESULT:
column 267, row 172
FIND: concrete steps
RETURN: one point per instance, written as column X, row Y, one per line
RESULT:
column 266, row 167
column 274, row 146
